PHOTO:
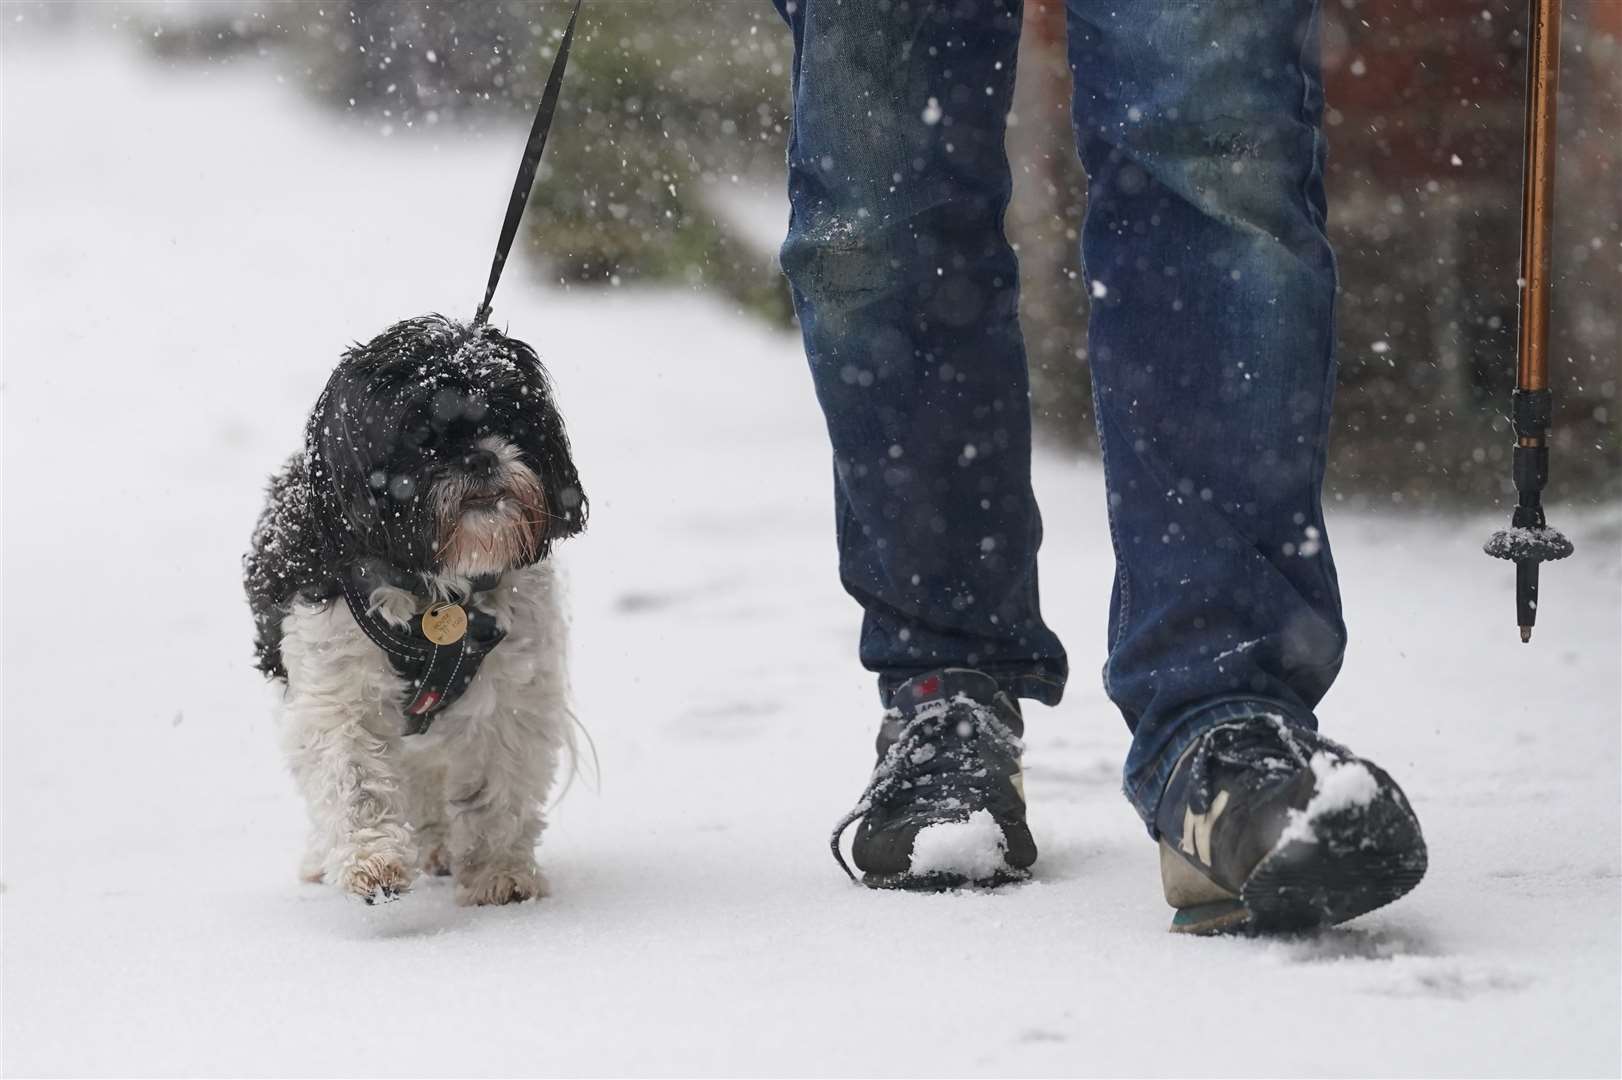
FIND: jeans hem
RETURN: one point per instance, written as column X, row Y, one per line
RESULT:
column 1046, row 687
column 1145, row 790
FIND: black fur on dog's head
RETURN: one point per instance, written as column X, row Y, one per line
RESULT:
column 436, row 448
column 435, row 451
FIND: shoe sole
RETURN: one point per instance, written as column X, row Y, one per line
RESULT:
column 934, row 883
column 1363, row 859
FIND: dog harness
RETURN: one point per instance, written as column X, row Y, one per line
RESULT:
column 438, row 655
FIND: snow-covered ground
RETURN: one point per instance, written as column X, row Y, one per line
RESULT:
column 185, row 251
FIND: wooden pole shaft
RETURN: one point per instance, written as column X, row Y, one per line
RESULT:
column 1537, row 194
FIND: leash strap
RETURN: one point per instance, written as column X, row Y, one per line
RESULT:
column 526, row 168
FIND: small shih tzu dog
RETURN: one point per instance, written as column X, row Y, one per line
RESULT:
column 401, row 590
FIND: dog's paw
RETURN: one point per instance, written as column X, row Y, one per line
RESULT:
column 376, row 879
column 437, row 861
column 310, row 870
column 500, row 885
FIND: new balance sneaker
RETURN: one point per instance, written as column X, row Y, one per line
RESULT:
column 945, row 806
column 1267, row 827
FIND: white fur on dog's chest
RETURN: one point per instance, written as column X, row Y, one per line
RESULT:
column 332, row 662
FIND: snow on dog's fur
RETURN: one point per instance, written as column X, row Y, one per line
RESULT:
column 435, row 456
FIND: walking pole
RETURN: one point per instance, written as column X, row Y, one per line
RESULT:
column 1529, row 540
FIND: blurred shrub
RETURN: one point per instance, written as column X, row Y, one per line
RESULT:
column 665, row 106
column 669, row 106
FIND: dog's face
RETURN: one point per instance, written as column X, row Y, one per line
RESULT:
column 437, row 448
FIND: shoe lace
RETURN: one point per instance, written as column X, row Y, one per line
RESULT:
column 1254, row 750
column 935, row 761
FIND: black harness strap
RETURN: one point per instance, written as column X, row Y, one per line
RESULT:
column 437, row 674
column 526, row 168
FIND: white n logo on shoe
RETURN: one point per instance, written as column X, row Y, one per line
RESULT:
column 1197, row 829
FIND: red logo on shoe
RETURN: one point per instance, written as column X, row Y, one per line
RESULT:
column 931, row 685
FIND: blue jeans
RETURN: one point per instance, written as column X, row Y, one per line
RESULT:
column 1199, row 124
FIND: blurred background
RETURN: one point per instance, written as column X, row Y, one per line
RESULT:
column 675, row 116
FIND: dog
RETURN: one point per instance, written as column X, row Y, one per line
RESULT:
column 402, row 591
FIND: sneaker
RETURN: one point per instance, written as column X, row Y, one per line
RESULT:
column 1267, row 827
column 945, row 806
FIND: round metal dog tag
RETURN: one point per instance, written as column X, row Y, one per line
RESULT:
column 444, row 624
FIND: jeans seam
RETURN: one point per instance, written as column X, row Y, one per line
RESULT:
column 1124, row 606
column 1009, row 679
column 1314, row 172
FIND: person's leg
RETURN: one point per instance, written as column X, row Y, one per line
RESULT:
column 907, row 294
column 1211, row 337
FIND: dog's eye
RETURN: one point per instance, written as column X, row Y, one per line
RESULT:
column 448, row 405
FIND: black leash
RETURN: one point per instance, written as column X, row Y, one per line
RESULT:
column 440, row 651
column 526, row 168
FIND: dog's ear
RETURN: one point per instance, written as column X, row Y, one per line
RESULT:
column 566, row 504
column 545, row 442
column 565, row 499
column 288, row 558
column 369, row 503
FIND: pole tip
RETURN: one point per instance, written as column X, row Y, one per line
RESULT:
column 1526, row 634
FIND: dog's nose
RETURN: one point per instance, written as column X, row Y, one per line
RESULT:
column 480, row 462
